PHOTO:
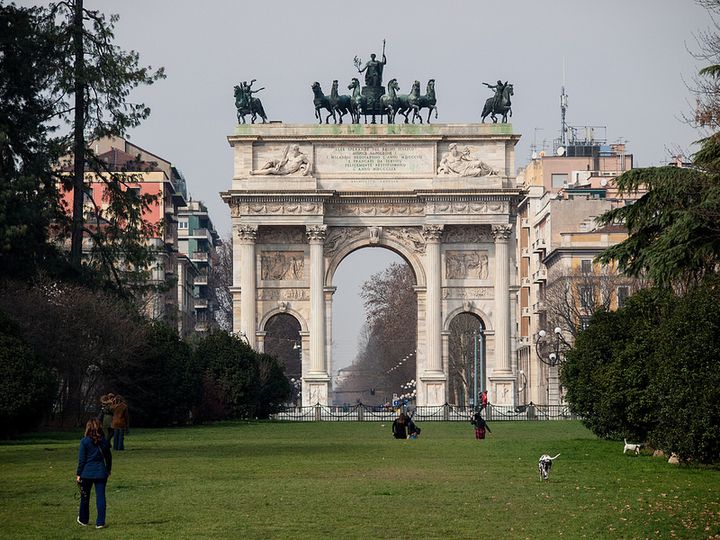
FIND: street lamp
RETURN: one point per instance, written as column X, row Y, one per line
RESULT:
column 551, row 349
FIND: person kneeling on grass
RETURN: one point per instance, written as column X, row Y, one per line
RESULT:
column 413, row 430
column 480, row 425
column 94, row 466
column 399, row 427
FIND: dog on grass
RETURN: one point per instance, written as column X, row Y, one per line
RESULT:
column 544, row 466
column 632, row 447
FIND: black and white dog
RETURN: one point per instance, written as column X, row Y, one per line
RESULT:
column 544, row 466
column 632, row 447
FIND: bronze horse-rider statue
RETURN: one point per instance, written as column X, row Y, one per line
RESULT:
column 500, row 103
column 246, row 104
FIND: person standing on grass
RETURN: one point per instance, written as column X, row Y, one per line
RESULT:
column 106, row 415
column 480, row 425
column 399, row 427
column 484, row 400
column 94, row 467
column 120, row 422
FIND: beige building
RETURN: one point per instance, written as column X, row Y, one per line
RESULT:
column 558, row 238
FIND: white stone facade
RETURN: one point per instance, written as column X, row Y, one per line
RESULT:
column 303, row 197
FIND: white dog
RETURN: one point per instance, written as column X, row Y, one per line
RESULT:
column 544, row 466
column 632, row 447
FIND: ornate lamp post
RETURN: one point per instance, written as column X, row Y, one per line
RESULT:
column 551, row 349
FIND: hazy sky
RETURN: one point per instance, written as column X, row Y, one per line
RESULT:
column 626, row 67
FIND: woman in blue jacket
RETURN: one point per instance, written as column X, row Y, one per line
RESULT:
column 94, row 466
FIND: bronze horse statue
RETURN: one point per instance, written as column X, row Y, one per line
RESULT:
column 390, row 100
column 428, row 101
column 340, row 104
column 321, row 101
column 357, row 100
column 409, row 102
column 504, row 107
column 253, row 106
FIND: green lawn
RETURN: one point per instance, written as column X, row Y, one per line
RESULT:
column 352, row 480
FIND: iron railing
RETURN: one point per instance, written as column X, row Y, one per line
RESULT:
column 441, row 413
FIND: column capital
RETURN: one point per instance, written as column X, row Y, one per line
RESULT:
column 316, row 233
column 432, row 233
column 246, row 233
column 502, row 232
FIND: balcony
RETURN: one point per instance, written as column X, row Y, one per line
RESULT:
column 200, row 303
column 203, row 234
column 539, row 245
column 525, row 312
column 525, row 282
column 201, row 279
column 539, row 307
column 525, row 223
column 525, row 252
column 200, row 256
column 540, row 276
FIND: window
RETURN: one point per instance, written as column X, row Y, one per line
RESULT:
column 587, row 297
column 586, row 266
column 584, row 323
column 558, row 180
column 622, row 294
column 182, row 225
column 135, row 191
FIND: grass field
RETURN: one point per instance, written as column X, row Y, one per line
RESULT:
column 352, row 480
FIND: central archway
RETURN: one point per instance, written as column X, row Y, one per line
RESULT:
column 374, row 315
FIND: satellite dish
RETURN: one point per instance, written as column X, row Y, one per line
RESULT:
column 603, row 182
column 560, row 151
column 534, row 155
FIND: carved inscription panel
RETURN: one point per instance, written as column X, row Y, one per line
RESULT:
column 375, row 158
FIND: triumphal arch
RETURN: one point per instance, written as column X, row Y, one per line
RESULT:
column 442, row 196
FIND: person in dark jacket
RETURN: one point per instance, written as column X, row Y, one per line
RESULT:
column 399, row 427
column 106, row 415
column 94, row 467
column 480, row 425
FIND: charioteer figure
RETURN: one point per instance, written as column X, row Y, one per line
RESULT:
column 373, row 90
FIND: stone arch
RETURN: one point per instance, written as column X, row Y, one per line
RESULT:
column 409, row 256
column 479, row 313
column 287, row 311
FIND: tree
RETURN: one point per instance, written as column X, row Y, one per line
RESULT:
column 27, row 385
column 573, row 296
column 98, row 77
column 219, row 282
column 161, row 381
column 461, row 361
column 386, row 357
column 29, row 201
column 78, row 332
column 674, row 236
column 607, row 372
column 238, row 381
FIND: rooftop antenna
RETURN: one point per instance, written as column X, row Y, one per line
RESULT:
column 563, row 108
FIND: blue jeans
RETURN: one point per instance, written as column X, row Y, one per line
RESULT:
column 119, row 439
column 84, row 513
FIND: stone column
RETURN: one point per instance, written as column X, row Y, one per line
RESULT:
column 248, row 279
column 433, row 322
column 316, row 238
column 502, row 298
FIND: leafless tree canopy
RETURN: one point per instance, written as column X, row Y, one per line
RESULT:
column 283, row 341
column 461, row 366
column 219, row 283
column 98, row 329
column 573, row 296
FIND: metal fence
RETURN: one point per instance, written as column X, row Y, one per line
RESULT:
column 441, row 413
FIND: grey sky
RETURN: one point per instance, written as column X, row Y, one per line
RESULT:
column 626, row 63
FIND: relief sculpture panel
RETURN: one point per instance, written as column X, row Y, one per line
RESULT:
column 466, row 264
column 282, row 265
